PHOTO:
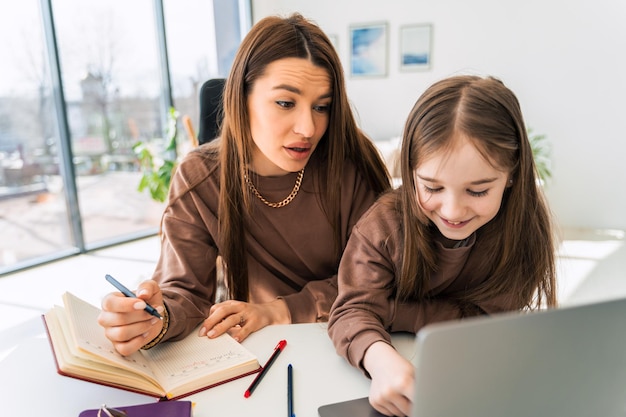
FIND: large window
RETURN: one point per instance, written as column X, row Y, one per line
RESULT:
column 33, row 215
column 80, row 84
column 108, row 53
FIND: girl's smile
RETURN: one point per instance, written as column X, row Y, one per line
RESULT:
column 459, row 190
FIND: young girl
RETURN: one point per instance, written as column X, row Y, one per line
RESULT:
column 275, row 197
column 468, row 233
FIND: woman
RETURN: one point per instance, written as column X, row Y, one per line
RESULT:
column 275, row 198
column 468, row 233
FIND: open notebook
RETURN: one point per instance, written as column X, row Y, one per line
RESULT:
column 170, row 370
column 565, row 362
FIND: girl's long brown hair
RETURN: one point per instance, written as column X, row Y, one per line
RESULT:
column 521, row 260
column 271, row 39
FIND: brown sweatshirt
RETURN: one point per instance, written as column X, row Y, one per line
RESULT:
column 290, row 250
column 366, row 309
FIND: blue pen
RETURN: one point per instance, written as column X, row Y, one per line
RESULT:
column 290, row 412
column 129, row 293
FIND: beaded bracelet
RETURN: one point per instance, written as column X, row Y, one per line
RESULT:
column 156, row 340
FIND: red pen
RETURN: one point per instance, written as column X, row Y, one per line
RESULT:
column 279, row 348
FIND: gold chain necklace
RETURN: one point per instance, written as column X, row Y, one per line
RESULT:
column 279, row 204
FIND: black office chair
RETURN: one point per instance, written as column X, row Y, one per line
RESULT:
column 211, row 94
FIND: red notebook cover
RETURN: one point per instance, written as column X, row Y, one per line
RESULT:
column 156, row 409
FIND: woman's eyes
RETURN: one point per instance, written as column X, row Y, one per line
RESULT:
column 433, row 190
column 285, row 104
column 322, row 108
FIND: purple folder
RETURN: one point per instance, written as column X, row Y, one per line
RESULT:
column 156, row 409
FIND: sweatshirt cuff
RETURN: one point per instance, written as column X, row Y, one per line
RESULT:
column 360, row 344
column 300, row 308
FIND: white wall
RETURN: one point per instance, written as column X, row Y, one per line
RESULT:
column 565, row 60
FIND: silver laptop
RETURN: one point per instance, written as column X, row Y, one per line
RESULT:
column 566, row 362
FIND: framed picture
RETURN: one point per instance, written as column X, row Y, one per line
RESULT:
column 415, row 45
column 368, row 50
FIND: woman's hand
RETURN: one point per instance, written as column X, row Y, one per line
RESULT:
column 125, row 322
column 393, row 378
column 240, row 318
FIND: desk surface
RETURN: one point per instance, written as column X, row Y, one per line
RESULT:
column 31, row 386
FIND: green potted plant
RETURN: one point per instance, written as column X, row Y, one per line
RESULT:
column 157, row 165
column 542, row 155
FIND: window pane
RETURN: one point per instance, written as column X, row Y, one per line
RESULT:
column 192, row 54
column 33, row 211
column 111, row 80
column 201, row 45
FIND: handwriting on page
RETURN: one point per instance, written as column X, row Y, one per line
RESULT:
column 201, row 356
column 208, row 364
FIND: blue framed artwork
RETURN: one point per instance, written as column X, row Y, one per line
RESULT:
column 415, row 47
column 368, row 50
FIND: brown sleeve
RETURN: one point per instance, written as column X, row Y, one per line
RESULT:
column 314, row 301
column 186, row 270
column 363, row 311
column 366, row 309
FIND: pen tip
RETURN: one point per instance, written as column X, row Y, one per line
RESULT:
column 246, row 394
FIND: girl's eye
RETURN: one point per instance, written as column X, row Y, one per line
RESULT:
column 432, row 190
column 285, row 104
column 477, row 193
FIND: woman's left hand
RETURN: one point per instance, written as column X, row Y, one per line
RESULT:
column 240, row 318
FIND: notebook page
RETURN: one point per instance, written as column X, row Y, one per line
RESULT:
column 89, row 336
column 200, row 358
column 72, row 360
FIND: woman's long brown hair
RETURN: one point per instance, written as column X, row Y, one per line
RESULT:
column 271, row 39
column 521, row 237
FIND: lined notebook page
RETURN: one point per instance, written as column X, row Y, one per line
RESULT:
column 183, row 366
column 210, row 360
column 89, row 336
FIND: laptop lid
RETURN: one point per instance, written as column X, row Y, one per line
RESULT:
column 564, row 362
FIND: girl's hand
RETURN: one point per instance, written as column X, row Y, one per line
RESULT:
column 125, row 322
column 393, row 378
column 240, row 318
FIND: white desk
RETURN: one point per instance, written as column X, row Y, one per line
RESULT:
column 30, row 385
